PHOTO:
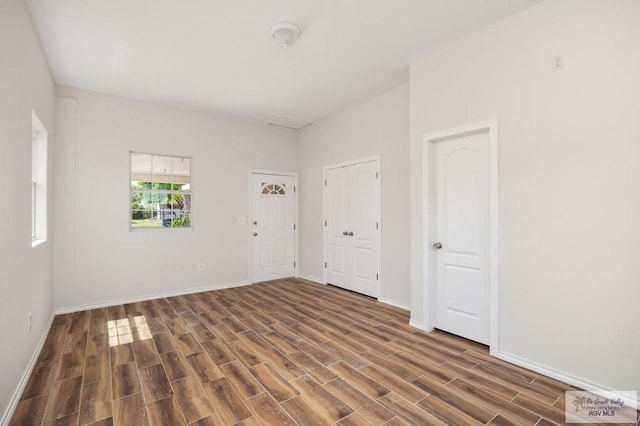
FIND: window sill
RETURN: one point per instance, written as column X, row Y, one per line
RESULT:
column 37, row 242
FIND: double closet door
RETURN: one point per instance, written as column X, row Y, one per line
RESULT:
column 352, row 227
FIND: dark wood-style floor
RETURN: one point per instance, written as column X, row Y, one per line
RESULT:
column 282, row 352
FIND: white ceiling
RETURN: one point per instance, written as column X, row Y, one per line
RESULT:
column 219, row 56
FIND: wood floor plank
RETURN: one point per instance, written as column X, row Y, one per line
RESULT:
column 192, row 399
column 283, row 364
column 364, row 383
column 312, row 367
column 29, row 411
column 121, row 354
column 71, row 365
column 95, row 403
column 125, row 380
column 165, row 412
column 187, row 344
column 204, row 368
column 65, row 398
column 227, row 402
column 145, row 353
column 334, row 408
column 175, row 365
column 155, row 384
column 218, row 351
column 409, row 412
column 97, row 367
column 164, row 343
column 304, row 413
column 275, row 385
column 130, row 410
column 267, row 410
column 241, row 379
column 395, row 383
column 453, row 398
column 41, row 381
column 366, row 407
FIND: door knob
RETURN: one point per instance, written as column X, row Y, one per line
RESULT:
column 437, row 245
column 351, row 234
column 255, row 222
column 255, row 234
column 345, row 233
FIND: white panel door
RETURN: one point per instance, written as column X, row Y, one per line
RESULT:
column 364, row 207
column 272, row 225
column 462, row 231
column 337, row 204
column 352, row 235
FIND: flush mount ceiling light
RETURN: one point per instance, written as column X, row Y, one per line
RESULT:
column 285, row 34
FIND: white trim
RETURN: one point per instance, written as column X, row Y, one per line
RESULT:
column 428, row 271
column 15, row 398
column 395, row 305
column 296, row 233
column 373, row 158
column 115, row 302
column 419, row 326
column 311, row 278
column 565, row 377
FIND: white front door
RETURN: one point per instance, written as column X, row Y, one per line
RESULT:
column 352, row 218
column 273, row 226
column 461, row 241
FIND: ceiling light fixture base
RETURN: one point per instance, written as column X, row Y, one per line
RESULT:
column 285, row 33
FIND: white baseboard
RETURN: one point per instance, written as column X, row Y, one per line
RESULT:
column 395, row 305
column 566, row 378
column 115, row 302
column 311, row 278
column 417, row 325
column 13, row 403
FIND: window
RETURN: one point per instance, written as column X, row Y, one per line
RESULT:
column 38, row 181
column 160, row 191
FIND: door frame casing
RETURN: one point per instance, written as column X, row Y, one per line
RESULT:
column 429, row 223
column 296, row 244
column 325, row 239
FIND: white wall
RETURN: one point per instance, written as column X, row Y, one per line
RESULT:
column 98, row 259
column 379, row 126
column 569, row 185
column 25, row 278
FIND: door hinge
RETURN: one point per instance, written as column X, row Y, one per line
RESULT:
column 294, row 264
column 376, row 277
column 376, row 175
column 294, row 226
column 325, row 264
column 294, row 189
column 325, row 223
column 377, row 225
column 325, row 182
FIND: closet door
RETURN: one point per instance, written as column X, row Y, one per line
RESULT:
column 336, row 219
column 364, row 208
column 352, row 227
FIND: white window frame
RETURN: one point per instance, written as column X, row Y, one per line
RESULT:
column 171, row 177
column 39, row 138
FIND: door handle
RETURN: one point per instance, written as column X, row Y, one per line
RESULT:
column 351, row 234
column 345, row 233
column 255, row 234
column 437, row 245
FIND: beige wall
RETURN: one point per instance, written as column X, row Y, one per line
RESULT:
column 378, row 126
column 98, row 260
column 25, row 278
column 569, row 184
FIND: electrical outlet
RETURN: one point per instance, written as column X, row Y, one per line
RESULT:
column 557, row 63
column 29, row 322
column 200, row 267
